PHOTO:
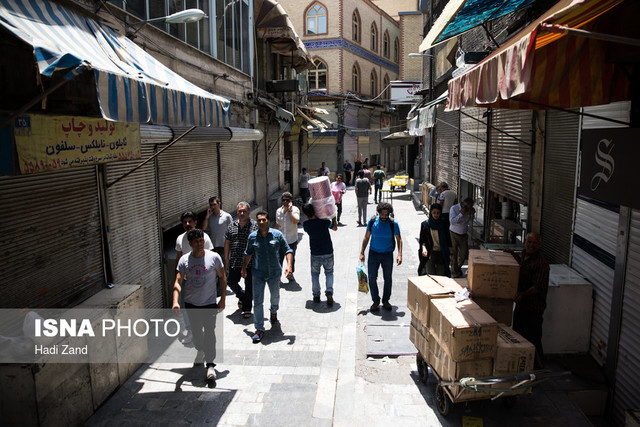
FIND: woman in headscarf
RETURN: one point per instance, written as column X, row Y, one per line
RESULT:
column 434, row 244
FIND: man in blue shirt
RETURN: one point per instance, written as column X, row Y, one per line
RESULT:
column 264, row 246
column 460, row 216
column 321, row 251
column 384, row 234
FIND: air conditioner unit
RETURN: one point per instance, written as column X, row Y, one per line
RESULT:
column 282, row 85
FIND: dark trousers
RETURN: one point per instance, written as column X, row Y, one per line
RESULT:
column 246, row 295
column 347, row 177
column 293, row 247
column 220, row 251
column 203, row 328
column 377, row 195
column 304, row 194
column 339, row 206
column 377, row 259
column 528, row 323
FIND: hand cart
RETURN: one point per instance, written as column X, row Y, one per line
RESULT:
column 487, row 387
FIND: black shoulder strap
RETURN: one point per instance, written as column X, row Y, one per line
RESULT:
column 393, row 240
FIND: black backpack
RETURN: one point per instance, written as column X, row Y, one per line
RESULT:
column 393, row 237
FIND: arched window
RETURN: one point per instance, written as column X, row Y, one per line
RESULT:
column 396, row 50
column 387, row 89
column 317, row 76
column 374, row 84
column 316, row 20
column 355, row 26
column 355, row 78
column 386, row 45
column 374, row 37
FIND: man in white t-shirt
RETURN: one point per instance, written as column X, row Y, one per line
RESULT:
column 303, row 184
column 205, row 283
column 287, row 218
column 189, row 222
column 446, row 199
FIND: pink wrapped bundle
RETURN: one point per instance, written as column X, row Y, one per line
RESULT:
column 320, row 188
column 324, row 208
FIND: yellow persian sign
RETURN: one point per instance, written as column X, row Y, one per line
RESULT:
column 48, row 143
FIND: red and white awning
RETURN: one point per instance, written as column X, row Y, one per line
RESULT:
column 541, row 68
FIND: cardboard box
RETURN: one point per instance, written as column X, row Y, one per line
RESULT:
column 422, row 288
column 449, row 370
column 419, row 326
column 463, row 329
column 419, row 340
column 492, row 274
column 500, row 309
column 514, row 354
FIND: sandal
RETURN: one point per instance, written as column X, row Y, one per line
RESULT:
column 246, row 314
column 257, row 336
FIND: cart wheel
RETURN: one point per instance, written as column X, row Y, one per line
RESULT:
column 442, row 401
column 509, row 401
column 423, row 369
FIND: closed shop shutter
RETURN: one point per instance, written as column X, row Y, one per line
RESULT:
column 133, row 227
column 364, row 146
column 275, row 149
column 187, row 177
column 560, row 165
column 236, row 160
column 322, row 149
column 60, row 259
column 627, row 390
column 594, row 248
column 446, row 149
column 473, row 145
column 510, row 154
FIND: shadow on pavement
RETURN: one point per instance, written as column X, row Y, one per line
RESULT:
column 293, row 286
column 322, row 306
column 273, row 335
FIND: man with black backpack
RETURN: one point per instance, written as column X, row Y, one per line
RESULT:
column 384, row 233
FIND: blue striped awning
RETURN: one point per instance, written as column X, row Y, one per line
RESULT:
column 132, row 85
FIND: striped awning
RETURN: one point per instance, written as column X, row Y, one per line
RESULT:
column 539, row 69
column 132, row 86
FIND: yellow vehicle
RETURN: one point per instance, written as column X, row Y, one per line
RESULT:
column 398, row 181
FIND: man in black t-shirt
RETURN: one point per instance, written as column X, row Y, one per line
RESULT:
column 321, row 251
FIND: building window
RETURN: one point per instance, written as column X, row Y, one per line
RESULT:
column 396, row 50
column 387, row 88
column 374, row 84
column 355, row 26
column 374, row 37
column 318, row 76
column 386, row 45
column 316, row 20
column 355, row 78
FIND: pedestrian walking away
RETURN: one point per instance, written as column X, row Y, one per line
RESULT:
column 363, row 189
column 460, row 217
column 378, row 179
column 434, row 244
column 205, row 283
column 189, row 222
column 303, row 185
column 321, row 252
column 357, row 167
column 264, row 248
column 287, row 219
column 234, row 246
column 215, row 224
column 347, row 172
column 531, row 298
column 338, row 188
column 384, row 234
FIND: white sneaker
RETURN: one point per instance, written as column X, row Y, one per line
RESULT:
column 211, row 373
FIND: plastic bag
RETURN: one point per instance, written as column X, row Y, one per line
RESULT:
column 363, row 280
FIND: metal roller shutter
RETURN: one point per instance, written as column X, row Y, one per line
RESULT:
column 594, row 248
column 560, row 166
column 446, row 148
column 321, row 149
column 510, row 158
column 187, row 177
column 237, row 178
column 627, row 390
column 133, row 227
column 275, row 151
column 473, row 145
column 62, row 250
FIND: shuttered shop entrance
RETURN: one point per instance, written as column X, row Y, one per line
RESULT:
column 187, row 177
column 510, row 154
column 447, row 134
column 59, row 245
column 322, row 149
column 237, row 173
column 133, row 227
column 473, row 145
column 560, row 165
column 274, row 153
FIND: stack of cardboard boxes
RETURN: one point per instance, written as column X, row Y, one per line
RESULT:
column 460, row 339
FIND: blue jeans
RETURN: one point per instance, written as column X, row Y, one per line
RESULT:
column 377, row 196
column 318, row 261
column 375, row 260
column 258, row 297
